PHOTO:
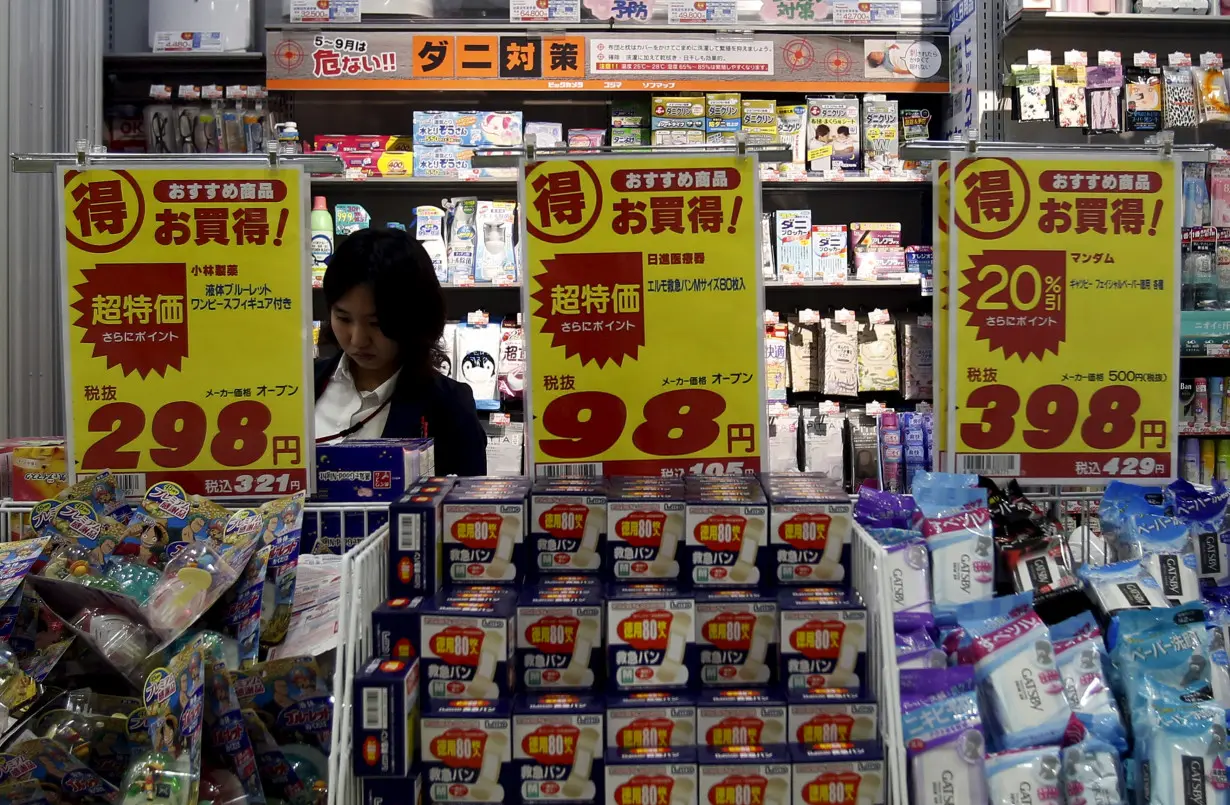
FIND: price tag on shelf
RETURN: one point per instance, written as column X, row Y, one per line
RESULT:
column 174, row 275
column 1076, row 57
column 1178, row 59
column 844, row 316
column 1110, row 58
column 621, row 327
column 809, row 316
column 1059, row 382
column 829, row 408
column 879, row 316
column 1144, row 59
column 1211, row 61
column 501, row 420
column 478, row 318
column 1038, row 58
column 771, row 318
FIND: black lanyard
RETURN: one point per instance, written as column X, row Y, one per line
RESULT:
column 342, row 434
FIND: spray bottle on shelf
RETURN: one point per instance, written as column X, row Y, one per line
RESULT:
column 322, row 240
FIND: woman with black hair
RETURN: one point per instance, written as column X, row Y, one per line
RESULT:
column 386, row 312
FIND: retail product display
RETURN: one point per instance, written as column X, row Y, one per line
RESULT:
column 192, row 119
column 832, row 254
column 611, row 632
column 180, row 600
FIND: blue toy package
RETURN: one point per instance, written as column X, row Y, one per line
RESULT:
column 1032, row 772
column 1081, row 658
column 943, row 735
column 1119, row 587
column 1014, row 663
column 1204, row 510
column 1161, row 659
column 1092, row 774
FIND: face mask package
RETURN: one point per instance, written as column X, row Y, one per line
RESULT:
column 1144, row 100
column 1092, row 774
column 840, row 359
column 1031, row 94
column 496, row 257
column 1105, row 85
column 461, row 237
column 1014, row 663
column 1014, row 775
column 917, row 344
column 823, row 452
column 1180, row 104
column 512, row 361
column 877, row 357
column 429, row 230
column 478, row 350
column 1211, row 99
column 1081, row 657
column 943, row 736
column 803, row 351
column 1070, row 112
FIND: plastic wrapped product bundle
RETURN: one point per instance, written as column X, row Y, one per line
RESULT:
column 1092, row 774
column 1019, row 773
column 1161, row 659
column 1081, row 657
column 907, row 566
column 1014, row 664
column 916, row 649
column 1167, row 550
column 943, row 736
column 963, row 568
column 1181, row 756
column 1203, row 508
column 1121, row 586
column 1122, row 500
column 1217, row 621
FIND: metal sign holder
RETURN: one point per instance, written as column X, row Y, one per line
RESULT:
column 86, row 155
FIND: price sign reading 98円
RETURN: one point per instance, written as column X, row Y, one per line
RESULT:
column 186, row 328
column 645, row 334
column 1067, row 280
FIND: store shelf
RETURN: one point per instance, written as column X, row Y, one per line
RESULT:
column 1203, row 430
column 234, row 61
column 768, row 184
column 1041, row 23
column 494, row 24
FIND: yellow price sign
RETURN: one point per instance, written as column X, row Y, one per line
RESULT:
column 187, row 327
column 646, row 348
column 1067, row 276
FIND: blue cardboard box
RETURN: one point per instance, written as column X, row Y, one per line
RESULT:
column 379, row 470
column 416, row 539
column 385, row 718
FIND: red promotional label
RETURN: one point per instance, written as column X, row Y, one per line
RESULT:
column 641, row 529
column 731, row 631
column 1017, row 300
column 634, row 181
column 644, row 789
column 833, row 789
column 649, row 630
column 738, row 788
column 721, row 532
column 806, row 532
column 459, row 748
column 826, row 728
column 553, row 635
column 646, row 733
column 818, row 640
column 139, row 332
column 478, row 531
column 735, row 732
column 552, row 745
column 458, row 645
column 594, row 320
column 564, row 521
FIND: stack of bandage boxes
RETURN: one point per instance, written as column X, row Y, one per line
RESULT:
column 631, row 640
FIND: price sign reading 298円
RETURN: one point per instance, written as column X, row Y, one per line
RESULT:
column 1067, row 297
column 186, row 328
column 645, row 330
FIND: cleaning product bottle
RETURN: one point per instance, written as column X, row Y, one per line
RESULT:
column 322, row 239
column 288, row 138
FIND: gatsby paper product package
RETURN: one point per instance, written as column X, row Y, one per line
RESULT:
column 737, row 634
column 496, row 253
column 467, row 646
column 794, row 250
column 740, row 717
column 646, row 720
column 644, row 530
column 685, row 112
column 856, row 769
column 484, row 532
column 416, row 539
column 651, row 637
column 758, row 774
column 567, row 524
column 557, row 747
column 663, row 776
column 823, row 642
column 810, row 722
column 832, row 134
column 466, row 751
column 810, row 530
column 559, row 638
column 386, row 718
column 725, row 534
column 723, row 112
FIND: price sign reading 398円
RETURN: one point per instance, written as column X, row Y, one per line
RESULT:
column 1067, row 334
column 645, row 335
column 186, row 328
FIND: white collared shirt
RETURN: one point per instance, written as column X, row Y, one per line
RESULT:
column 343, row 406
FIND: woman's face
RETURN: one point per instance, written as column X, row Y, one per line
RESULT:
column 358, row 330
